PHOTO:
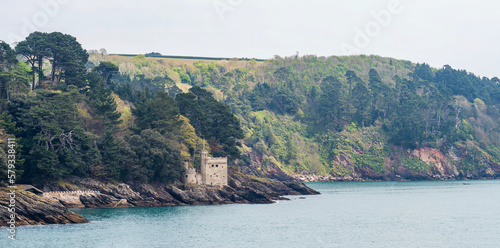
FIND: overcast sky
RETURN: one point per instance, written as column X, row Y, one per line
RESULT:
column 463, row 34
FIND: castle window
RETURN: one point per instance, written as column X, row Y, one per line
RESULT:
column 186, row 176
column 210, row 175
column 217, row 176
column 212, row 165
column 216, row 165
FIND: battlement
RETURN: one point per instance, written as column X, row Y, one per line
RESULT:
column 57, row 194
column 217, row 160
column 213, row 171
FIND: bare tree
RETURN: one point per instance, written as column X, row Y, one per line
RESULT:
column 103, row 52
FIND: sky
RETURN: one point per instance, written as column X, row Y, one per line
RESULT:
column 462, row 34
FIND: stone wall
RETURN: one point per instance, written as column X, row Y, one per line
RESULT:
column 213, row 171
column 216, row 171
column 190, row 176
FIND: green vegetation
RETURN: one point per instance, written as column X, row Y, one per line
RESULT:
column 67, row 121
column 316, row 114
column 137, row 117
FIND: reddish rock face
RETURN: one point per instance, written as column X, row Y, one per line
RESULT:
column 442, row 166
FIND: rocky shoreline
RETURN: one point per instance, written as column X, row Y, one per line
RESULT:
column 32, row 209
column 350, row 178
column 53, row 208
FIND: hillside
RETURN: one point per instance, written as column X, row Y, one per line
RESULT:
column 135, row 118
column 342, row 118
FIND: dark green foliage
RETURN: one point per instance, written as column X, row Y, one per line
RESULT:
column 330, row 103
column 423, row 71
column 7, row 57
column 260, row 96
column 13, row 78
column 65, row 54
column 106, row 70
column 159, row 113
column 361, row 101
column 7, row 124
column 381, row 95
column 68, row 59
column 300, row 114
column 13, row 81
column 102, row 101
column 35, row 49
column 54, row 144
column 4, row 159
column 153, row 54
column 150, row 158
column 212, row 120
column 285, row 102
column 138, row 88
column 458, row 81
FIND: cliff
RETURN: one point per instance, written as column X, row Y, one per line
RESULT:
column 459, row 162
column 241, row 189
column 77, row 192
column 32, row 209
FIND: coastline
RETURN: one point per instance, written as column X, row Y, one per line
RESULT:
column 79, row 193
column 349, row 178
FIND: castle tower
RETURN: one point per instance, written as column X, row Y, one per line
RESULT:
column 189, row 175
column 203, row 166
column 213, row 170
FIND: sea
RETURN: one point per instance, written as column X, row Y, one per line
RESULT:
column 345, row 214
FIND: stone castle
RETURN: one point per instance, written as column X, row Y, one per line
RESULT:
column 213, row 171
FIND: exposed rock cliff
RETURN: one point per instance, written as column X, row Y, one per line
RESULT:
column 241, row 189
column 76, row 192
column 458, row 162
column 32, row 209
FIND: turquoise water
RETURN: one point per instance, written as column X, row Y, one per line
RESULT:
column 346, row 214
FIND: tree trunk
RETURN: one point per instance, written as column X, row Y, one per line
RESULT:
column 33, row 76
column 40, row 70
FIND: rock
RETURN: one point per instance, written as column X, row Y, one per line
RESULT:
column 32, row 209
column 89, row 193
column 242, row 188
column 103, row 201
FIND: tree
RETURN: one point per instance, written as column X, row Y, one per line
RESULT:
column 381, row 94
column 285, row 102
column 106, row 70
column 351, row 78
column 151, row 158
column 35, row 50
column 7, row 57
column 12, row 76
column 103, row 52
column 65, row 54
column 361, row 99
column 212, row 120
column 423, row 71
column 330, row 101
column 159, row 113
column 53, row 142
column 103, row 103
column 68, row 59
column 12, row 81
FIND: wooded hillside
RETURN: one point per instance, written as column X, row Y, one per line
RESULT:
column 84, row 113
